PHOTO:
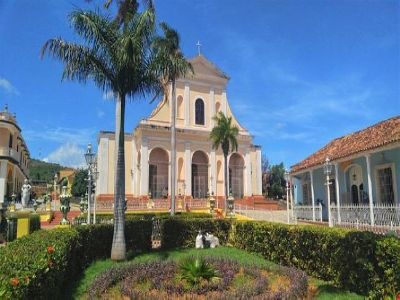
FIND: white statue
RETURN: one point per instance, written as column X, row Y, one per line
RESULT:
column 26, row 193
column 213, row 240
column 199, row 241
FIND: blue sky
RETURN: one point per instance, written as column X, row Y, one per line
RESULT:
column 302, row 72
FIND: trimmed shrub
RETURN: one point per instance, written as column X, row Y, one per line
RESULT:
column 39, row 265
column 106, row 218
column 34, row 222
column 359, row 261
column 181, row 233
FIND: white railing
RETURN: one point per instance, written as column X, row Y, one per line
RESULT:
column 156, row 204
column 305, row 212
column 385, row 215
column 261, row 214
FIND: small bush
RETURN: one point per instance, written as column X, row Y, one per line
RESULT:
column 34, row 222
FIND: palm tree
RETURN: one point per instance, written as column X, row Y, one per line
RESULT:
column 224, row 134
column 118, row 58
column 173, row 65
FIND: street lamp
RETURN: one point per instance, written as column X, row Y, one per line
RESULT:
column 327, row 171
column 287, row 194
column 55, row 191
column 89, row 157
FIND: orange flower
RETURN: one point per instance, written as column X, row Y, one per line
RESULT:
column 50, row 249
column 14, row 281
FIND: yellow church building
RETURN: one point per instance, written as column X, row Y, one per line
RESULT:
column 199, row 168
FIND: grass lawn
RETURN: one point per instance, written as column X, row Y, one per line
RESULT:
column 321, row 289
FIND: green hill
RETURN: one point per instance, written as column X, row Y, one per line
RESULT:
column 43, row 171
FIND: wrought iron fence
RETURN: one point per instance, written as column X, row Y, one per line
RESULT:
column 305, row 212
column 385, row 215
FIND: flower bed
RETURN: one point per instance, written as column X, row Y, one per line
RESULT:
column 162, row 280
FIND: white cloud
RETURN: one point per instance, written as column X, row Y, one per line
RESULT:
column 8, row 87
column 62, row 135
column 68, row 155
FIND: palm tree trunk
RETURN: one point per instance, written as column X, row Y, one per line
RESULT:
column 226, row 180
column 118, row 249
column 173, row 149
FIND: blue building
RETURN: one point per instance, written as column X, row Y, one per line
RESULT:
column 364, row 178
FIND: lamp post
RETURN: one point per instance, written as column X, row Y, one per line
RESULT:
column 327, row 171
column 55, row 191
column 89, row 157
column 95, row 176
column 287, row 195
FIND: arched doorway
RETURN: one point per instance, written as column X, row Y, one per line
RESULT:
column 199, row 175
column 355, row 179
column 236, row 168
column 158, row 173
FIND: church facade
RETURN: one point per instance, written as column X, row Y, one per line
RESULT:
column 199, row 168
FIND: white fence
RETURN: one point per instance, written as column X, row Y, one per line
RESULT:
column 386, row 217
column 305, row 212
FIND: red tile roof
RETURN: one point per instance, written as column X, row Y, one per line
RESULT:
column 378, row 135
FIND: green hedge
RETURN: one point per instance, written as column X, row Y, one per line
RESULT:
column 359, row 261
column 146, row 216
column 34, row 222
column 181, row 233
column 41, row 264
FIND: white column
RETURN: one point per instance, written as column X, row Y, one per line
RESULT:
column 102, row 164
column 169, row 177
column 224, row 102
column 247, row 177
column 291, row 196
column 188, row 169
column 371, row 197
column 329, row 200
column 212, row 107
column 133, row 171
column 337, row 192
column 170, row 101
column 3, row 179
column 312, row 195
column 258, row 170
column 144, row 168
column 186, row 100
column 213, row 186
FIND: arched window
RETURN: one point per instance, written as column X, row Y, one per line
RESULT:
column 199, row 108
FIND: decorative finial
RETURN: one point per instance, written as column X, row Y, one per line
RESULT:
column 199, row 47
column 6, row 108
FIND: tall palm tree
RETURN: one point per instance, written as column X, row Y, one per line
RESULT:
column 173, row 65
column 118, row 59
column 224, row 134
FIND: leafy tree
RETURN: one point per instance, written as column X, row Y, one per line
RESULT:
column 265, row 170
column 224, row 134
column 119, row 59
column 79, row 185
column 173, row 65
column 277, row 181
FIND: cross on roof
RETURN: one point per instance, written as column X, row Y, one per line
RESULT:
column 199, row 47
